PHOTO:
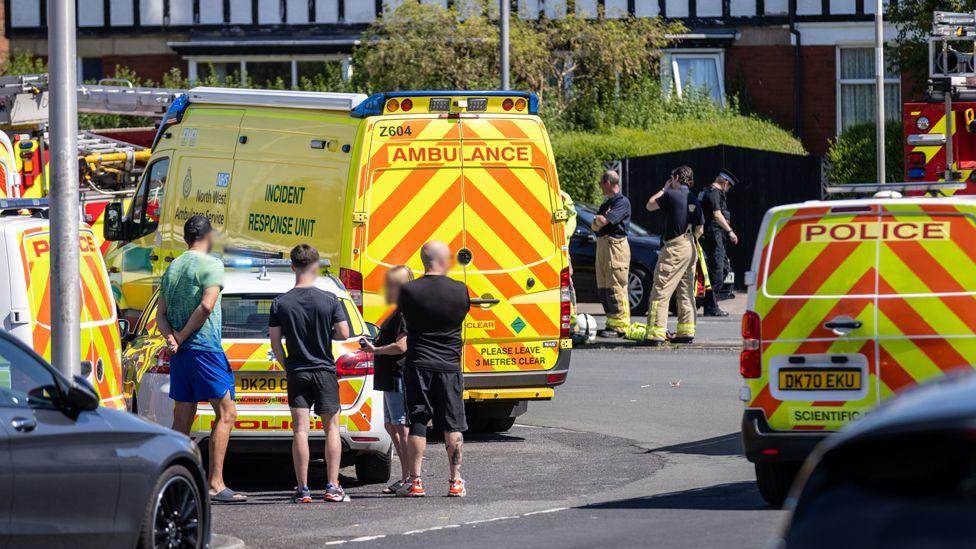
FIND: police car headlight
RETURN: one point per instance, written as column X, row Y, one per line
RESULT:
column 922, row 123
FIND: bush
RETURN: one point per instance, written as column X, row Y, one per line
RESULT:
column 853, row 159
column 580, row 155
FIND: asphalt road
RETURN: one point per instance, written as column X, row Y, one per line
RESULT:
column 639, row 449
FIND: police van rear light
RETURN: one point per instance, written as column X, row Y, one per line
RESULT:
column 750, row 359
column 565, row 304
column 353, row 281
column 162, row 363
column 356, row 363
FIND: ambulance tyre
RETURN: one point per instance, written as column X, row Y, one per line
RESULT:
column 374, row 468
column 174, row 512
column 774, row 480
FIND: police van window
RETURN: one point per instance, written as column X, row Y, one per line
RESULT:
column 148, row 201
column 24, row 382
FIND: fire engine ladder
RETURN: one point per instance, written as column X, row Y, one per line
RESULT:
column 950, row 65
column 125, row 99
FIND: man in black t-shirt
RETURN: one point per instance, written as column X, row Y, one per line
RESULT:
column 434, row 307
column 718, row 228
column 308, row 318
column 675, row 270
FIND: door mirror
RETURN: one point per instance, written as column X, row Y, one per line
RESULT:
column 372, row 330
column 124, row 327
column 80, row 395
column 114, row 225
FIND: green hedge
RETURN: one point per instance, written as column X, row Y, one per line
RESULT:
column 580, row 155
column 853, row 158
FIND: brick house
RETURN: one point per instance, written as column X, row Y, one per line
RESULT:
column 807, row 64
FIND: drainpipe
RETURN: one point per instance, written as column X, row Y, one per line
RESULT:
column 797, row 74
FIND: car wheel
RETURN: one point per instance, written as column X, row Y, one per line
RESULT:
column 638, row 290
column 174, row 515
column 775, row 479
column 500, row 424
column 373, row 468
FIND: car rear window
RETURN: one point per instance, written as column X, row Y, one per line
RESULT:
column 246, row 316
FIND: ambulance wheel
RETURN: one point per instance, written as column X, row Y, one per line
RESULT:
column 638, row 290
column 374, row 468
column 775, row 479
column 174, row 514
column 499, row 424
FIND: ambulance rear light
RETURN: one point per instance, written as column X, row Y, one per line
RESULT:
column 353, row 281
column 356, row 363
column 508, row 104
column 393, row 105
column 406, row 105
column 557, row 378
column 520, row 105
column 479, row 104
column 750, row 359
column 439, row 104
column 162, row 363
column 565, row 304
column 443, row 101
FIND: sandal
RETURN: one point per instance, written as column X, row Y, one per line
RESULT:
column 227, row 496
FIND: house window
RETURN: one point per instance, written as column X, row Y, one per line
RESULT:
column 855, row 88
column 272, row 71
column 703, row 70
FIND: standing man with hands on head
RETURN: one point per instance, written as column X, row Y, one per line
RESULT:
column 188, row 317
column 718, row 228
column 308, row 318
column 675, row 270
column 611, row 225
column 434, row 307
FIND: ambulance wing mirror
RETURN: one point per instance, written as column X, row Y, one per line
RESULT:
column 114, row 225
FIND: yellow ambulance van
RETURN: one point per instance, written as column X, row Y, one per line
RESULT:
column 368, row 180
column 849, row 302
column 25, row 295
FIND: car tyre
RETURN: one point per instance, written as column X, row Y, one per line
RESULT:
column 174, row 513
column 638, row 290
column 500, row 424
column 374, row 468
column 774, row 480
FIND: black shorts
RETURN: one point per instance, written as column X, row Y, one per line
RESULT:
column 437, row 396
column 318, row 388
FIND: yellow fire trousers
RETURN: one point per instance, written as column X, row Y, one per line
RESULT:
column 675, row 272
column 612, row 269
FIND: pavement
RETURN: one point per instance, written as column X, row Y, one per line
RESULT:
column 639, row 448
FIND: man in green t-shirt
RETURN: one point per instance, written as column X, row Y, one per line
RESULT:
column 188, row 316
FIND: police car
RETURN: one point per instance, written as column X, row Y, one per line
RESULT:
column 263, row 419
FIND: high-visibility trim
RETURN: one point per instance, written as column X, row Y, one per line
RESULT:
column 540, row 393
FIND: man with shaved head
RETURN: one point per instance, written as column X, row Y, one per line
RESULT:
column 434, row 307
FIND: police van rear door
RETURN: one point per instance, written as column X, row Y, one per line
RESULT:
column 511, row 251
column 816, row 298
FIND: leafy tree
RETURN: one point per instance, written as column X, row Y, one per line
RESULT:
column 914, row 22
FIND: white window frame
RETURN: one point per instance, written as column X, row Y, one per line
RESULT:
column 838, row 120
column 670, row 76
column 194, row 62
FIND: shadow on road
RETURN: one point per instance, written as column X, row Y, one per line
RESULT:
column 725, row 445
column 737, row 496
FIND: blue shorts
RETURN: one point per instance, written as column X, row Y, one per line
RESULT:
column 197, row 376
column 395, row 405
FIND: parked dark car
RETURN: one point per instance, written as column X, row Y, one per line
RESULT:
column 644, row 248
column 903, row 476
column 73, row 474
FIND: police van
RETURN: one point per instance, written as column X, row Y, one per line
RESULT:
column 368, row 180
column 25, row 295
column 849, row 302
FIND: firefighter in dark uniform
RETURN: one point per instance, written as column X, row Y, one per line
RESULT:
column 718, row 233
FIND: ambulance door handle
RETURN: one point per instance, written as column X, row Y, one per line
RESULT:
column 483, row 302
column 169, row 259
column 153, row 257
column 23, row 424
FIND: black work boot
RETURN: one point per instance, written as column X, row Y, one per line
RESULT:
column 716, row 312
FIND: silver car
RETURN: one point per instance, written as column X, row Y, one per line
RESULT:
column 73, row 474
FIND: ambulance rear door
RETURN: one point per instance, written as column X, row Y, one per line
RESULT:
column 511, row 250
column 927, row 291
column 413, row 194
column 816, row 298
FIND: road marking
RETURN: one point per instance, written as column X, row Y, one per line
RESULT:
column 545, row 512
column 368, row 538
column 450, row 526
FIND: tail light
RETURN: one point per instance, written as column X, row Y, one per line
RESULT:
column 508, row 104
column 750, row 359
column 392, row 105
column 557, row 378
column 406, row 105
column 353, row 281
column 356, row 363
column 162, row 363
column 565, row 304
column 916, row 159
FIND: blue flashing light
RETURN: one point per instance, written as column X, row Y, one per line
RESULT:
column 23, row 203
column 174, row 115
column 373, row 106
column 916, row 173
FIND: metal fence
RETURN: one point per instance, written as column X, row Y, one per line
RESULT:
column 766, row 179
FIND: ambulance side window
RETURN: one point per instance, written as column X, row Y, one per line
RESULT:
column 148, row 201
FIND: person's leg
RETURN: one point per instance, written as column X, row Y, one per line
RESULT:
column 418, row 411
column 183, row 416
column 225, row 411
column 454, row 442
column 602, row 267
column 449, row 410
column 333, row 448
column 714, row 249
column 299, row 445
column 395, row 413
column 619, row 292
column 686, row 292
column 665, row 281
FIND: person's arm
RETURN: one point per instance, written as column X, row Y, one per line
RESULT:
column 396, row 348
column 200, row 314
column 274, row 333
column 340, row 330
column 599, row 222
column 164, row 327
column 659, row 199
column 340, row 324
column 724, row 224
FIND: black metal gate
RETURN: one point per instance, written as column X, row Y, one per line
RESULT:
column 766, row 179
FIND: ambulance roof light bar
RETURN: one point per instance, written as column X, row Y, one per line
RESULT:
column 344, row 102
column 871, row 188
column 374, row 105
column 23, row 203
